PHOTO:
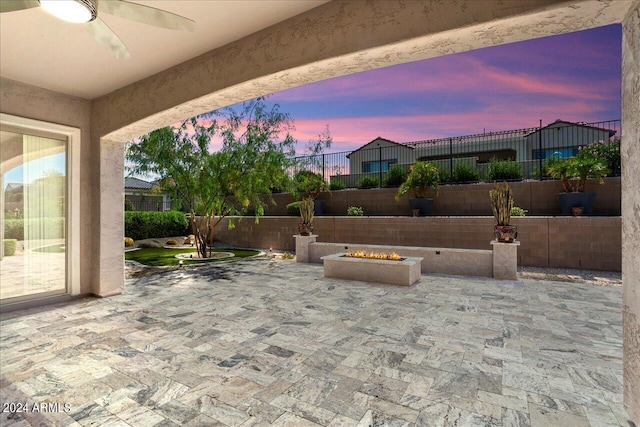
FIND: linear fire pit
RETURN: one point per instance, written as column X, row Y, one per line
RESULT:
column 405, row 272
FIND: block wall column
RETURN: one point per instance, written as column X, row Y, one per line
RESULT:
column 631, row 210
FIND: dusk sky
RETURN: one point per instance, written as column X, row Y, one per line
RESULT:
column 574, row 77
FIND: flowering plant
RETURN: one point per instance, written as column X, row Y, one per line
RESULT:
column 573, row 172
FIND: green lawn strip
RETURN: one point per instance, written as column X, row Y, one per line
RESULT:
column 157, row 257
column 51, row 249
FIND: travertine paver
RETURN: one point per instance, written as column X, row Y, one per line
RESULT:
column 267, row 341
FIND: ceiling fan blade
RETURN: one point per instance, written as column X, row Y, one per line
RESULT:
column 12, row 5
column 147, row 15
column 107, row 38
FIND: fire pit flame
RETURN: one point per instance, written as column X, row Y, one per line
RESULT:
column 393, row 256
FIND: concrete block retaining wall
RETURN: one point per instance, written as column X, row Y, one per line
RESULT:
column 563, row 242
column 538, row 197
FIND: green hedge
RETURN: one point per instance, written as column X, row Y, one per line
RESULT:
column 149, row 225
column 9, row 246
column 53, row 228
column 368, row 182
column 504, row 170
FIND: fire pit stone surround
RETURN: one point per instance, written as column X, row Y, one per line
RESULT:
column 405, row 272
column 500, row 262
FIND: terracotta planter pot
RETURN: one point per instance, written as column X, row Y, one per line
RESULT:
column 305, row 229
column 505, row 233
column 577, row 210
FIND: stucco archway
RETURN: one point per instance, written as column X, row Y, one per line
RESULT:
column 346, row 37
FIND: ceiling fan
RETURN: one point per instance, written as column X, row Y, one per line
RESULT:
column 86, row 12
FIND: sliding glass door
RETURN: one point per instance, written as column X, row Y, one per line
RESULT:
column 34, row 257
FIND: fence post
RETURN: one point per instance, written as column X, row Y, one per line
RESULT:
column 323, row 173
column 379, row 167
column 541, row 172
column 450, row 160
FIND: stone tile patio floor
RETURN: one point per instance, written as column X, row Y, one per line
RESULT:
column 272, row 342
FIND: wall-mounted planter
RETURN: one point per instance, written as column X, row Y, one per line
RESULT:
column 318, row 207
column 571, row 200
column 425, row 206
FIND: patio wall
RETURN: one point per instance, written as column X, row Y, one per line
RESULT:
column 538, row 197
column 562, row 242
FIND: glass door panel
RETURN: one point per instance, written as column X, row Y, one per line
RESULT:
column 33, row 215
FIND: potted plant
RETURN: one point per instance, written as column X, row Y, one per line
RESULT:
column 308, row 185
column 422, row 176
column 305, row 228
column 501, row 204
column 573, row 173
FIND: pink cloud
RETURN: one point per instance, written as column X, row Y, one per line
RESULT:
column 349, row 133
column 459, row 73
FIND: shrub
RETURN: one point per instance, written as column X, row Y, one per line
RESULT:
column 464, row 172
column 145, row 225
column 609, row 152
column 337, row 184
column 573, row 172
column 444, row 175
column 308, row 184
column 421, row 177
column 128, row 205
column 293, row 209
column 9, row 246
column 501, row 203
column 517, row 211
column 355, row 211
column 500, row 170
column 53, row 228
column 171, row 242
column 128, row 242
column 396, row 175
column 368, row 182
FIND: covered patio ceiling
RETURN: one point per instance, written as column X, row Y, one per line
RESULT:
column 41, row 50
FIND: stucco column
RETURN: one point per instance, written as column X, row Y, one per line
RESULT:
column 302, row 247
column 111, row 219
column 631, row 209
column 505, row 260
column 1, row 215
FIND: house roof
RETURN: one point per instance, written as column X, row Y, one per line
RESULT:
column 480, row 137
column 379, row 139
column 487, row 136
column 138, row 184
column 15, row 186
column 560, row 123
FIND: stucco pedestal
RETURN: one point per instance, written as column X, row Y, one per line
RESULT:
column 505, row 260
column 302, row 246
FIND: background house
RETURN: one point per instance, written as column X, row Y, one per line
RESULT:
column 141, row 195
column 527, row 146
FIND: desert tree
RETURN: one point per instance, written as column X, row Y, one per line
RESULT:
column 256, row 150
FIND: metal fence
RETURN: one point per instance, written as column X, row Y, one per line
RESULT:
column 529, row 148
column 147, row 205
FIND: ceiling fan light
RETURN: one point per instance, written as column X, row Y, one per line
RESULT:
column 75, row 11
